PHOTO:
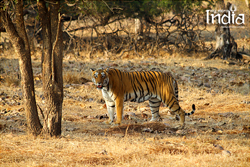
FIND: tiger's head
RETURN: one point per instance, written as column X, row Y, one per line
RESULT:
column 100, row 77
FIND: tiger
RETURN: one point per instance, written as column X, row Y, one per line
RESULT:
column 138, row 86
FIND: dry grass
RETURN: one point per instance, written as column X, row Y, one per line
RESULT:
column 10, row 81
column 87, row 141
column 129, row 151
column 74, row 78
column 71, row 78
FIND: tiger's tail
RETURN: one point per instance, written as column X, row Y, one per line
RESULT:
column 192, row 112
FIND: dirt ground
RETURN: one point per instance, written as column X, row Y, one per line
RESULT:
column 217, row 134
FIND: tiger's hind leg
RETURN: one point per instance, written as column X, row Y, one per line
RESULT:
column 154, row 104
column 181, row 113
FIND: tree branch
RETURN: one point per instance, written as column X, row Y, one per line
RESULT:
column 54, row 46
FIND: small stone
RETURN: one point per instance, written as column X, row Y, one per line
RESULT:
column 147, row 130
column 200, row 84
column 226, row 153
column 67, row 86
column 103, row 152
column 103, row 106
column 218, row 146
column 131, row 114
column 246, row 61
column 143, row 115
column 221, row 123
column 182, row 132
column 102, row 116
column 2, row 98
column 207, row 85
column 220, row 131
column 167, row 125
column 90, row 117
column 72, row 129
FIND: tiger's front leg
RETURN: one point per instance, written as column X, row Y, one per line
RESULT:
column 119, row 110
column 111, row 108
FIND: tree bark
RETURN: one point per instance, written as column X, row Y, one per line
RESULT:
column 138, row 26
column 20, row 43
column 57, row 59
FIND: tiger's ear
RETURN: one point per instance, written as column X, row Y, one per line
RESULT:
column 107, row 70
column 92, row 70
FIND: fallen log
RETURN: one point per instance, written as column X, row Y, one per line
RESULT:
column 244, row 55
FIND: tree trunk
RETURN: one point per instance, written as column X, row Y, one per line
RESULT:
column 20, row 43
column 247, row 3
column 51, row 67
column 138, row 26
column 56, row 29
column 226, row 47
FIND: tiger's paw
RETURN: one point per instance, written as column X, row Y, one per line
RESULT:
column 180, row 127
column 157, row 119
column 108, row 122
column 115, row 123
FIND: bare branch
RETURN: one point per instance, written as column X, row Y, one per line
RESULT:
column 54, row 46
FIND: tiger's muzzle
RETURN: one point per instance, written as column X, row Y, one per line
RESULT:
column 99, row 86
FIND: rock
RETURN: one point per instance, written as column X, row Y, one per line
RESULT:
column 246, row 61
column 229, row 62
column 220, row 131
column 83, row 80
column 214, row 73
column 181, row 132
column 16, row 129
column 118, row 135
column 167, row 125
column 102, row 116
column 246, row 128
column 213, row 130
column 184, row 78
column 206, row 104
column 2, row 98
column 101, row 100
column 2, row 126
column 143, row 115
column 131, row 114
column 207, row 85
column 220, row 123
column 90, row 99
column 126, row 117
column 90, row 117
column 147, row 130
column 103, row 152
column 228, row 115
column 67, row 86
column 218, row 147
column 200, row 84
column 72, row 129
column 191, row 123
column 226, row 153
column 103, row 106
column 240, row 83
column 192, row 130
